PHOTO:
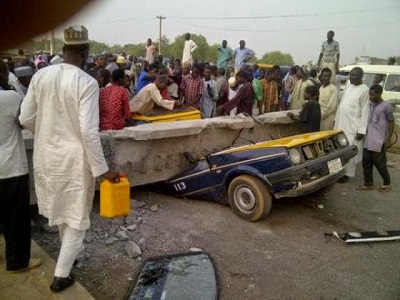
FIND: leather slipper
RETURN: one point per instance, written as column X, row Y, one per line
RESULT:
column 365, row 188
column 385, row 188
column 60, row 283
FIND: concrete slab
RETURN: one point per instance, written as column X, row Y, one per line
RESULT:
column 34, row 284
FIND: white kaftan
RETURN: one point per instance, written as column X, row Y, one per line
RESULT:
column 328, row 101
column 352, row 118
column 62, row 109
column 188, row 49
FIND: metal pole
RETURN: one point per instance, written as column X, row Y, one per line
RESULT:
column 159, row 44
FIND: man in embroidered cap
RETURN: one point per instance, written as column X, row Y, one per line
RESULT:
column 62, row 109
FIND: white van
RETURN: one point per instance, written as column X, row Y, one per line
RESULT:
column 387, row 76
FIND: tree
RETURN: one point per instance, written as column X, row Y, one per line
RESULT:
column 212, row 53
column 277, row 58
column 135, row 49
column 98, row 47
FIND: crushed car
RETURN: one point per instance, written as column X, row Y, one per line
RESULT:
column 249, row 177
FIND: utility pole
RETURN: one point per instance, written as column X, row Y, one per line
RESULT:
column 159, row 45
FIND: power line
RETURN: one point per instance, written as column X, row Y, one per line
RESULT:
column 279, row 30
column 286, row 16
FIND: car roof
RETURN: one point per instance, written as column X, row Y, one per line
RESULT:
column 385, row 69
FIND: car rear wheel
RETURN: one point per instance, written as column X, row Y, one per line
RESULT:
column 249, row 198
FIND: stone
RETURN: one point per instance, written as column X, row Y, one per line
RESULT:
column 132, row 249
column 194, row 249
column 132, row 227
column 111, row 240
column 89, row 239
column 142, row 242
column 118, row 221
column 154, row 208
column 122, row 235
column 123, row 228
column 135, row 204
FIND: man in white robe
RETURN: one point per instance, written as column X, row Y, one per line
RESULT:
column 188, row 49
column 328, row 100
column 62, row 109
column 150, row 95
column 352, row 117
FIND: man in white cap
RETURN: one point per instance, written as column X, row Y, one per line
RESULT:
column 24, row 75
column 14, row 182
column 62, row 109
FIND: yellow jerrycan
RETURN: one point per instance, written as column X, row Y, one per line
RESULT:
column 115, row 198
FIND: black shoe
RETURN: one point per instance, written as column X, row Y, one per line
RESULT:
column 60, row 283
column 343, row 179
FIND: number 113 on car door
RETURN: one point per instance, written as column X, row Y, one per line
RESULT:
column 180, row 186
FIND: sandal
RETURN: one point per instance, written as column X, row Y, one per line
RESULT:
column 384, row 188
column 365, row 187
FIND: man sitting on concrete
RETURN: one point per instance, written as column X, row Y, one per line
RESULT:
column 149, row 95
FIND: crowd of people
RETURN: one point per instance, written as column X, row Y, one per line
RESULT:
column 70, row 99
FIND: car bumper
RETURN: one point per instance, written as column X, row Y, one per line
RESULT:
column 309, row 176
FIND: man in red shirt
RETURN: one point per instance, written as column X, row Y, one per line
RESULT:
column 114, row 103
column 192, row 88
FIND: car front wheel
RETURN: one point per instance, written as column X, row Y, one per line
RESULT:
column 249, row 198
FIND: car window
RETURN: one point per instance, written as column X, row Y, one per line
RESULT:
column 393, row 83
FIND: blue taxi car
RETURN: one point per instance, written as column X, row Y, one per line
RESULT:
column 248, row 177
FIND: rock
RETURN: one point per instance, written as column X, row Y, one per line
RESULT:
column 132, row 227
column 135, row 204
column 113, row 230
column 194, row 249
column 320, row 206
column 133, row 220
column 118, row 221
column 142, row 242
column 111, row 240
column 138, row 221
column 122, row 235
column 132, row 249
column 123, row 228
column 88, row 239
column 154, row 208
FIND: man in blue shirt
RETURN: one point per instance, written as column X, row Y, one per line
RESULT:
column 377, row 140
column 242, row 55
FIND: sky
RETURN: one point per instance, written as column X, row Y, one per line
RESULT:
column 362, row 27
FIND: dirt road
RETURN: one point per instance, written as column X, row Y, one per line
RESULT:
column 285, row 256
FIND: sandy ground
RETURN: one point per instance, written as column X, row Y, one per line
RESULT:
column 285, row 256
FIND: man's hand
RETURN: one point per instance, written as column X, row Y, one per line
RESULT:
column 178, row 103
column 359, row 136
column 111, row 176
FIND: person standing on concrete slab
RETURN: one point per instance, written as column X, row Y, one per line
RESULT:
column 242, row 55
column 188, row 48
column 62, row 109
column 14, row 182
column 330, row 54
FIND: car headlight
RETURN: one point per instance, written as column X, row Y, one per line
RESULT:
column 295, row 156
column 342, row 140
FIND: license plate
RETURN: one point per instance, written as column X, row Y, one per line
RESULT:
column 335, row 166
